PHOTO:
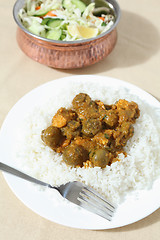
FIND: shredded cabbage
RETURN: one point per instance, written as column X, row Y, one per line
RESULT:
column 34, row 12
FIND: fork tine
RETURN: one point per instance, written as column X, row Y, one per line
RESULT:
column 92, row 207
column 103, row 200
column 94, row 202
column 98, row 201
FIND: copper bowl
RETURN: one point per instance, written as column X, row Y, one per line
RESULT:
column 66, row 54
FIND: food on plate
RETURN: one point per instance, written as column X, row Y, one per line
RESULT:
column 90, row 133
column 66, row 20
column 139, row 161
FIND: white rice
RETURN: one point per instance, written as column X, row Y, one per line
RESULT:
column 136, row 171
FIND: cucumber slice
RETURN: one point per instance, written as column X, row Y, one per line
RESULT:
column 54, row 34
column 35, row 30
column 62, row 36
column 54, row 22
column 41, row 13
column 45, row 20
column 79, row 4
column 103, row 24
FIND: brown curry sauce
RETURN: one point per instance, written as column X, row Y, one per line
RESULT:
column 91, row 133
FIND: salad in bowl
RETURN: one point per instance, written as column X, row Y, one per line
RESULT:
column 67, row 20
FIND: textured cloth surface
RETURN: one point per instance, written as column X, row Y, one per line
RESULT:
column 135, row 59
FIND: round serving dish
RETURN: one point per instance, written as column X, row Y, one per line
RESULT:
column 66, row 54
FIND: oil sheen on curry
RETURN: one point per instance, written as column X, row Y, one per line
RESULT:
column 91, row 133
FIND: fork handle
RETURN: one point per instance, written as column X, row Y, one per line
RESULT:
column 20, row 174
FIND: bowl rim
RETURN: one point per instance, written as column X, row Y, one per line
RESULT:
column 113, row 3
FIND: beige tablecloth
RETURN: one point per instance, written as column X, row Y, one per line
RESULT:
column 135, row 59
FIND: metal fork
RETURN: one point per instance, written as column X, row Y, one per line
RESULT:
column 75, row 192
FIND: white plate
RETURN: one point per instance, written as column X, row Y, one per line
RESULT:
column 128, row 212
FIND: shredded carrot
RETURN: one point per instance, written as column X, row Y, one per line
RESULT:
column 50, row 14
column 37, row 8
column 102, row 18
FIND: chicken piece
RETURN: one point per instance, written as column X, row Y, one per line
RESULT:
column 61, row 148
column 88, row 164
column 87, row 143
column 101, row 109
column 104, row 138
column 127, row 111
column 111, row 118
column 62, row 117
column 72, row 129
column 122, row 134
column 91, row 127
column 100, row 104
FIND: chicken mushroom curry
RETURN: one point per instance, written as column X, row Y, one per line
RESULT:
column 91, row 133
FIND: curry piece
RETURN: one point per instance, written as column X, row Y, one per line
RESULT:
column 72, row 129
column 85, row 107
column 127, row 111
column 52, row 137
column 62, row 117
column 87, row 143
column 75, row 155
column 111, row 118
column 81, row 100
column 91, row 133
column 122, row 134
column 91, row 127
column 100, row 157
column 104, row 139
